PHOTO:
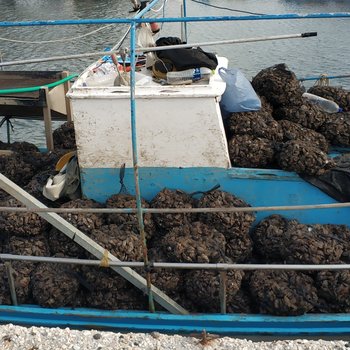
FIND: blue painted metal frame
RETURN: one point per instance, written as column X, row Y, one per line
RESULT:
column 230, row 324
column 175, row 19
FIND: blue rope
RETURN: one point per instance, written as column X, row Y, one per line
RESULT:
column 328, row 77
column 176, row 19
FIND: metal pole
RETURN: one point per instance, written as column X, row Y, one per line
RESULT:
column 135, row 162
column 184, row 266
column 160, row 48
column 223, row 288
column 175, row 210
column 11, row 281
column 8, row 129
column 174, row 19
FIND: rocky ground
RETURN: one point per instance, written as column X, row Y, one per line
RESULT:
column 41, row 338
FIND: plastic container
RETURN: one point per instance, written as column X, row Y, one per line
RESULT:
column 188, row 76
column 102, row 76
column 324, row 104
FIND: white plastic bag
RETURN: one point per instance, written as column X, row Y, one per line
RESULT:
column 239, row 95
column 145, row 38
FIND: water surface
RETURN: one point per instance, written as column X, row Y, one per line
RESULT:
column 328, row 53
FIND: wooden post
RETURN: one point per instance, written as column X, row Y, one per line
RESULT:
column 66, row 85
column 88, row 244
column 47, row 119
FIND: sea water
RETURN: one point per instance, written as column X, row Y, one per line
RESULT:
column 328, row 53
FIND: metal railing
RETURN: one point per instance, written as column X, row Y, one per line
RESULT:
column 138, row 19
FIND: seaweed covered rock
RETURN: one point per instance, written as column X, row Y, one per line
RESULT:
column 172, row 199
column 110, row 291
column 124, row 244
column 31, row 246
column 230, row 224
column 54, row 285
column 268, row 237
column 203, row 288
column 303, row 158
column 334, row 287
column 194, row 242
column 64, row 136
column 279, row 85
column 129, row 221
column 310, row 244
column 307, row 115
column 294, row 131
column 259, row 124
column 21, row 223
column 62, row 245
column 336, row 129
column 249, row 151
column 283, row 293
column 333, row 93
column 85, row 222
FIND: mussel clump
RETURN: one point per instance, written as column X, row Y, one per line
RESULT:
column 123, row 244
column 203, row 288
column 64, row 136
column 85, row 222
column 248, row 151
column 230, row 224
column 336, row 129
column 333, row 93
column 268, row 237
column 21, row 223
column 310, row 244
column 279, row 85
column 172, row 199
column 283, row 293
column 294, row 131
column 303, row 158
column 129, row 221
column 259, row 124
column 194, row 242
column 54, row 285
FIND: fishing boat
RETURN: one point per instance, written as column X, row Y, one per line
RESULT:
column 149, row 136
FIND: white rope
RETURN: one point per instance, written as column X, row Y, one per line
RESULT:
column 56, row 40
column 160, row 8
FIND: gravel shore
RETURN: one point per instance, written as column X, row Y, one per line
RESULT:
column 41, row 338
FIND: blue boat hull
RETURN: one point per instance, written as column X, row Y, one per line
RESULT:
column 258, row 187
column 135, row 321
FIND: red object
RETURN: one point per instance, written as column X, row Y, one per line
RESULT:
column 155, row 27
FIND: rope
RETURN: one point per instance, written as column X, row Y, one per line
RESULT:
column 37, row 88
column 227, row 8
column 322, row 81
column 104, row 262
column 56, row 40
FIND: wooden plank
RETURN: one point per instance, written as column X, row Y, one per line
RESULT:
column 88, row 244
column 68, row 101
column 48, row 120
